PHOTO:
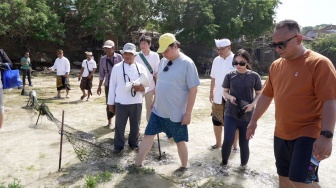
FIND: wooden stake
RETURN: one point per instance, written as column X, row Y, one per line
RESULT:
column 61, row 143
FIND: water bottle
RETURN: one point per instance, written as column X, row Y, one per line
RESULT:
column 312, row 169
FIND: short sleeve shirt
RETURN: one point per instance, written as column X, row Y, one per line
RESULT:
column 241, row 86
column 172, row 87
column 91, row 64
column 220, row 67
column 299, row 87
column 153, row 59
column 25, row 66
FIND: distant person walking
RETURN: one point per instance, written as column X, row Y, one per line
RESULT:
column 26, row 67
column 89, row 67
column 207, row 69
column 105, row 68
column 62, row 65
column 302, row 84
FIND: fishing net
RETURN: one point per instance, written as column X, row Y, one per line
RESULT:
column 86, row 146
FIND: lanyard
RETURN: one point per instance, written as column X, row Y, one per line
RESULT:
column 126, row 74
column 133, row 92
column 107, row 70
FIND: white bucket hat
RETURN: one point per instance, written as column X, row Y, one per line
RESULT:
column 129, row 47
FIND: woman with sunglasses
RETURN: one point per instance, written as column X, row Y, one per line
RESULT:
column 242, row 88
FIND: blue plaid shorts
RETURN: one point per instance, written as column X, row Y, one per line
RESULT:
column 158, row 124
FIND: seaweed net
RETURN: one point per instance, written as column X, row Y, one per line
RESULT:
column 86, row 146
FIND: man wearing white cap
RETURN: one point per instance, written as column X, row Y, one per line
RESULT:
column 221, row 65
column 105, row 68
column 89, row 67
column 176, row 90
column 126, row 103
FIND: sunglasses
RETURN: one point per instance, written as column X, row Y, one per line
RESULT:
column 241, row 63
column 281, row 45
column 167, row 66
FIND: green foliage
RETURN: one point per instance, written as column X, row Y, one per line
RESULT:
column 14, row 184
column 198, row 22
column 93, row 181
column 325, row 44
column 29, row 19
column 195, row 21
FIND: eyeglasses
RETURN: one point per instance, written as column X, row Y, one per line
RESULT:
column 241, row 63
column 167, row 66
column 221, row 49
column 281, row 45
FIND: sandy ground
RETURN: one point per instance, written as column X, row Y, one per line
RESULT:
column 30, row 153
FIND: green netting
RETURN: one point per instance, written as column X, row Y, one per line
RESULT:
column 86, row 146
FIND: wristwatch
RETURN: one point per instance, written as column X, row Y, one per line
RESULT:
column 327, row 134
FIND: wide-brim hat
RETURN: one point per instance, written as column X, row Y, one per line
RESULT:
column 129, row 47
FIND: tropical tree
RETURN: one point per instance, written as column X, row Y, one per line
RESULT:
column 326, row 45
column 33, row 19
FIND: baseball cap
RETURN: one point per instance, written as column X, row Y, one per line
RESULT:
column 108, row 44
column 164, row 41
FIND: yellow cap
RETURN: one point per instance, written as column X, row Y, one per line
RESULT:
column 164, row 41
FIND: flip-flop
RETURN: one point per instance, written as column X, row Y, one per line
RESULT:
column 56, row 97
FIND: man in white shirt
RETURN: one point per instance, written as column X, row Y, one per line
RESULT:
column 62, row 65
column 150, row 60
column 123, row 102
column 221, row 65
column 89, row 67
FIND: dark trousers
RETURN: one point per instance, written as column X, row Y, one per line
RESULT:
column 26, row 73
column 231, row 125
column 109, row 114
column 123, row 113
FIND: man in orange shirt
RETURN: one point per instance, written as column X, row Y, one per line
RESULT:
column 305, row 104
